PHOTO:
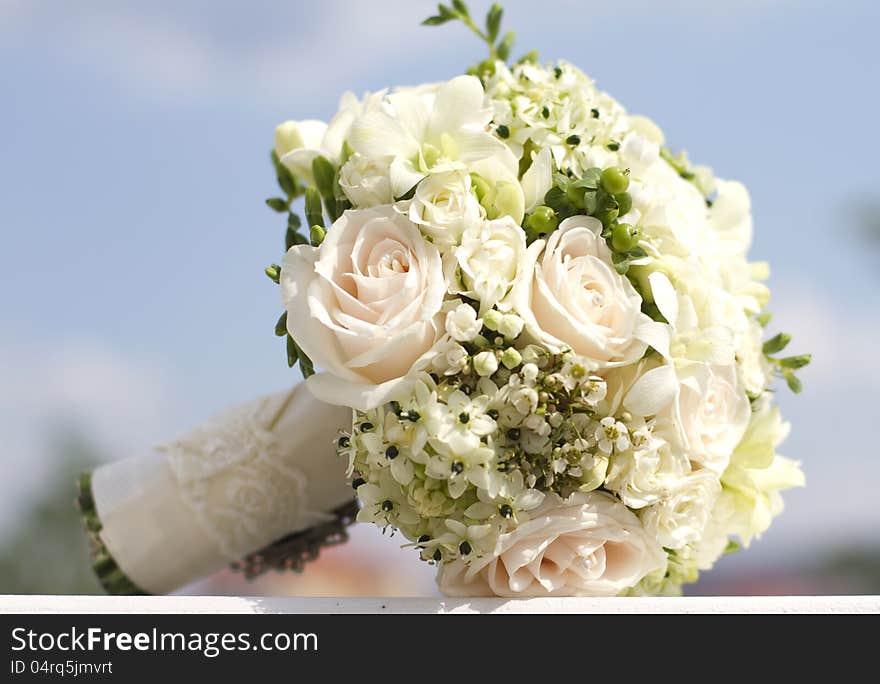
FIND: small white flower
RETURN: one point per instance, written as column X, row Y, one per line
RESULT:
column 529, row 373
column 510, row 326
column 462, row 323
column 611, row 434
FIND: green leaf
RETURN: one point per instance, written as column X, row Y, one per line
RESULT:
column 281, row 325
column 314, row 209
column 408, row 195
column 293, row 221
column 437, row 20
column 558, row 202
column 732, row 546
column 461, row 7
column 794, row 362
column 591, row 201
column 277, row 204
column 493, row 21
column 305, row 363
column 763, row 319
column 776, row 343
column 287, row 181
column 621, row 262
column 794, row 384
column 292, row 352
column 325, row 177
column 505, row 46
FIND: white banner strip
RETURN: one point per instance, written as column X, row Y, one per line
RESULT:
column 291, row 605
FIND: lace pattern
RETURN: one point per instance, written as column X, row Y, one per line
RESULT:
column 238, row 481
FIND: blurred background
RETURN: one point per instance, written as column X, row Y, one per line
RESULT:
column 133, row 170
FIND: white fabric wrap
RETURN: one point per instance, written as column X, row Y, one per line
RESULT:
column 242, row 480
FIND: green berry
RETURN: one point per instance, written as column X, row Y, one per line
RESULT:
column 542, row 221
column 624, row 203
column 615, row 180
column 624, row 237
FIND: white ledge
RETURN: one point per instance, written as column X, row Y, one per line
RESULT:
column 294, row 605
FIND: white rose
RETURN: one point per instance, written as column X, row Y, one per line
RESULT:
column 679, row 519
column 587, row 545
column 365, row 181
column 489, row 260
column 710, row 413
column 364, row 305
column 571, row 297
column 444, row 206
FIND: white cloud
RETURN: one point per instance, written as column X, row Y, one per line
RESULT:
column 120, row 404
column 178, row 54
column 175, row 51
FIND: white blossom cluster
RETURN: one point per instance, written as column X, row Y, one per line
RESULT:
column 548, row 331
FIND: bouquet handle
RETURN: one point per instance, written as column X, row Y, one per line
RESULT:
column 258, row 486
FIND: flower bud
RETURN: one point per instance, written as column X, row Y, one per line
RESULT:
column 511, row 358
column 505, row 199
column 485, row 363
column 510, row 326
column 492, row 319
column 287, row 138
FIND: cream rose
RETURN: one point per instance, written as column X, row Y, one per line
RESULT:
column 444, row 206
column 710, row 413
column 489, row 261
column 571, row 297
column 587, row 545
column 364, row 305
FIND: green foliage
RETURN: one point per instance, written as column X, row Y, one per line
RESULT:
column 785, row 367
column 499, row 49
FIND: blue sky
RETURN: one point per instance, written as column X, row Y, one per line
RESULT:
column 134, row 167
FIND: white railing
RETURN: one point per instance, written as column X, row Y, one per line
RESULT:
column 294, row 605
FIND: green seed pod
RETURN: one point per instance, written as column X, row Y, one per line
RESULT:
column 615, row 180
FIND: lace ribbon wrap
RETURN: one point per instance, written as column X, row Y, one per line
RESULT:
column 248, row 477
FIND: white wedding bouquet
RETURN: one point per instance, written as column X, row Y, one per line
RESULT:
column 546, row 325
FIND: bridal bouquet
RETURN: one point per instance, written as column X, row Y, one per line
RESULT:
column 543, row 326
column 546, row 325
